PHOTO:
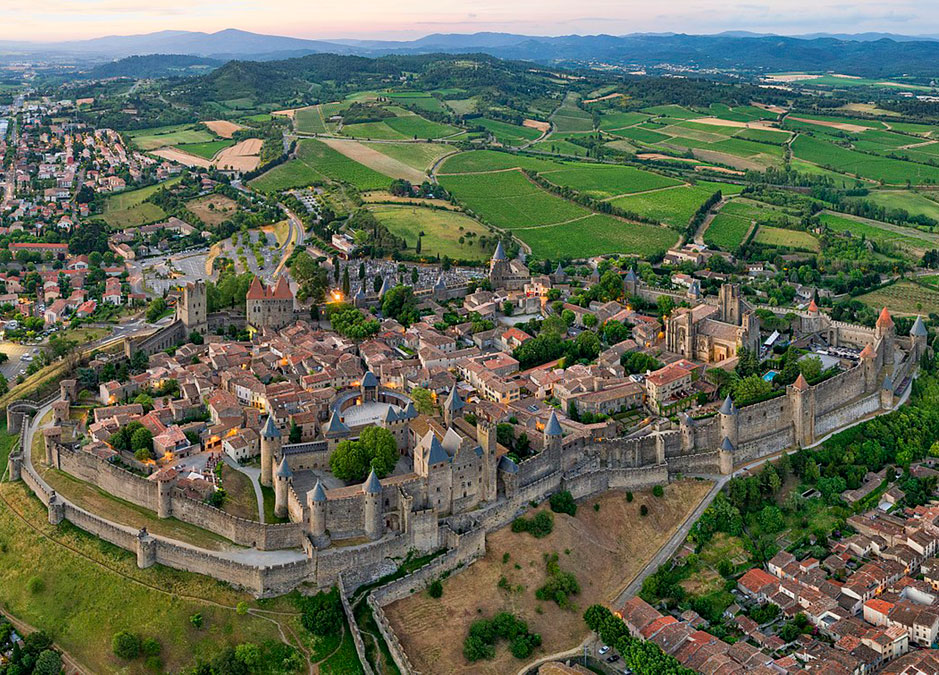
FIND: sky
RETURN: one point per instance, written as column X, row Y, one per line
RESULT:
column 407, row 19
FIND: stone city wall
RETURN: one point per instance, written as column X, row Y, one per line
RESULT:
column 845, row 415
column 354, row 629
column 839, row 390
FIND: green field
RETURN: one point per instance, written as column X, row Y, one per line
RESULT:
column 851, row 162
column 604, row 181
column 909, row 239
column 128, row 208
column 158, row 137
column 405, row 126
column 418, row 99
column 568, row 117
column 560, row 146
column 764, row 135
column 91, row 590
column 917, row 204
column 317, row 161
column 726, row 231
column 508, row 200
column 507, row 134
column 595, row 235
column 442, row 231
column 742, row 113
column 903, row 297
column 309, row 121
column 206, row 150
column 417, row 155
column 777, row 236
column 611, row 121
column 476, row 161
column 675, row 111
column 673, row 207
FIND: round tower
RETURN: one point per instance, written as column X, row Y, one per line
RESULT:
column 318, row 510
column 725, row 456
column 270, row 448
column 552, row 439
column 729, row 420
column 281, row 479
column 165, row 482
column 686, row 426
column 918, row 336
column 373, row 514
column 885, row 330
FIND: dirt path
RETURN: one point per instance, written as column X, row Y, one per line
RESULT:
column 916, row 145
column 645, row 192
column 712, row 213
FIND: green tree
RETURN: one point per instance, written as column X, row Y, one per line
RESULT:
column 375, row 449
column 295, row 433
column 423, row 401
column 156, row 309
column 142, row 439
column 400, row 304
column 125, row 645
column 48, row 663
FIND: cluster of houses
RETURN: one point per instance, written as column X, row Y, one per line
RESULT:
column 872, row 605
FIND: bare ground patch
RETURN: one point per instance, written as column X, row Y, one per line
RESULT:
column 243, row 156
column 842, row 126
column 180, row 157
column 367, row 156
column 213, row 209
column 756, row 162
column 537, row 124
column 719, row 122
column 223, row 128
column 605, row 549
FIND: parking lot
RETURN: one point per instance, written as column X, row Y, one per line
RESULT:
column 15, row 353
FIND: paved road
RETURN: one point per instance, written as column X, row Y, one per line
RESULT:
column 15, row 353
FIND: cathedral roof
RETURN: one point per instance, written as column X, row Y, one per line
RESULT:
column 559, row 272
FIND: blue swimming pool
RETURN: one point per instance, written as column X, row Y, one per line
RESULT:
column 770, row 374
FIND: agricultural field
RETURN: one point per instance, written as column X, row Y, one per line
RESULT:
column 845, row 160
column 556, row 145
column 432, row 630
column 595, row 235
column 478, row 161
column 317, row 161
column 568, row 117
column 912, row 241
column 676, row 206
column 405, row 126
column 129, row 209
column 507, row 134
column 368, row 155
column 778, row 236
column 727, row 231
column 605, row 181
column 611, row 121
column 904, row 297
column 509, row 200
column 442, row 230
column 914, row 203
column 418, row 99
column 310, row 120
column 206, row 150
column 158, row 137
column 420, row 156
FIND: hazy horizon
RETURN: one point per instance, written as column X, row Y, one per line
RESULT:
column 58, row 20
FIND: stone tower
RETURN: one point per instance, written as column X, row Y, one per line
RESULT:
column 918, row 336
column 552, row 440
column 729, row 303
column 886, row 393
column 372, row 510
column 281, row 479
column 802, row 403
column 886, row 333
column 193, row 307
column 630, row 283
column 686, row 426
column 868, row 359
column 486, row 437
column 725, row 456
column 729, row 420
column 165, row 482
column 270, row 448
column 318, row 511
column 369, row 387
column 452, row 406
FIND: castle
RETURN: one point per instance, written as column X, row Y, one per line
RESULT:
column 269, row 307
column 511, row 275
column 713, row 334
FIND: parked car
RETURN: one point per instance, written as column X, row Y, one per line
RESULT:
column 603, row 650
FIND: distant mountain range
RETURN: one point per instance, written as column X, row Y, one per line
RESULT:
column 867, row 54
